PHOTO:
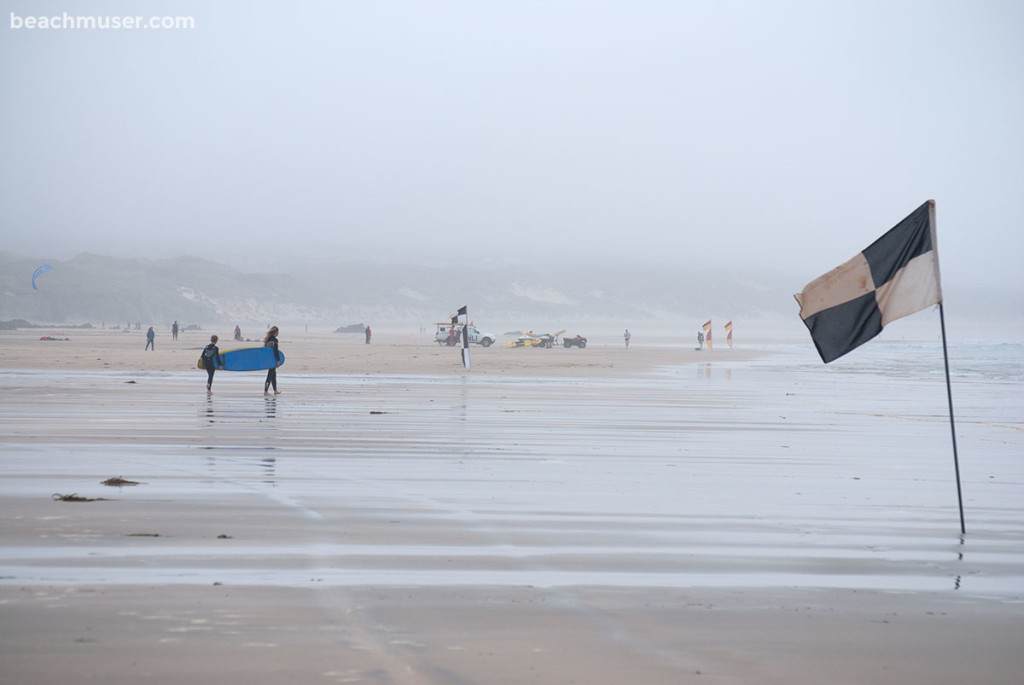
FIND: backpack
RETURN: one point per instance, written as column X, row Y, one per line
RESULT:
column 207, row 357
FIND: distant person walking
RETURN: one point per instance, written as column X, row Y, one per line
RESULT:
column 211, row 362
column 368, row 334
column 174, row 330
column 700, row 340
column 271, row 341
column 238, row 333
column 150, row 339
column 626, row 336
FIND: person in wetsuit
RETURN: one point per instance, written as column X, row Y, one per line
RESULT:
column 211, row 362
column 271, row 341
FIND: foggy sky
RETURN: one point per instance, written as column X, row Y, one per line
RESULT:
column 783, row 134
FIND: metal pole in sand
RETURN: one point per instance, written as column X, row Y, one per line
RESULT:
column 952, row 427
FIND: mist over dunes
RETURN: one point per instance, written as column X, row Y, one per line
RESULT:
column 109, row 291
column 98, row 289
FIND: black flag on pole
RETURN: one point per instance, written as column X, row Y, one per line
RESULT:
column 465, row 333
column 895, row 276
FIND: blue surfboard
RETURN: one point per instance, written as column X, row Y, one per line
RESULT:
column 250, row 359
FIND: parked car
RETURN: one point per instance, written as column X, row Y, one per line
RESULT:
column 476, row 336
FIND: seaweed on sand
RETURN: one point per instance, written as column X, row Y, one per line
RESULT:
column 118, row 482
column 73, row 497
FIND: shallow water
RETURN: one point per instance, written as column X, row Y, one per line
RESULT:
column 781, row 472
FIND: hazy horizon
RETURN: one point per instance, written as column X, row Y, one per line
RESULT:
column 783, row 136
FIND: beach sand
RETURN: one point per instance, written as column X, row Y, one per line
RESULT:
column 390, row 352
column 650, row 515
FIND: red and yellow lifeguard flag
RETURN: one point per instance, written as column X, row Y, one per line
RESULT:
column 728, row 331
column 707, row 329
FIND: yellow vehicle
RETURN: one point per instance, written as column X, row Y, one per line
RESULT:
column 531, row 339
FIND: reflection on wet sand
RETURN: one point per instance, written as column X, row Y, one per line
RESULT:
column 491, row 513
column 648, row 482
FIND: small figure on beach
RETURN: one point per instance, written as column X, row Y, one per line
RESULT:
column 150, row 339
column 271, row 341
column 451, row 336
column 174, row 330
column 238, row 333
column 626, row 336
column 211, row 362
column 700, row 340
column 367, row 334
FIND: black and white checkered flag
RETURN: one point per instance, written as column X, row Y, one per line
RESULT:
column 895, row 276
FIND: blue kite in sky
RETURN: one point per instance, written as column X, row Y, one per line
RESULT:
column 41, row 270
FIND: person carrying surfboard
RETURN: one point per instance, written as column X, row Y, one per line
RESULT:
column 271, row 341
column 211, row 360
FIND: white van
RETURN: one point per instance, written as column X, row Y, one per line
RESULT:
column 477, row 337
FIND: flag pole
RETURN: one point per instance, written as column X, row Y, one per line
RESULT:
column 952, row 427
column 945, row 358
column 465, row 337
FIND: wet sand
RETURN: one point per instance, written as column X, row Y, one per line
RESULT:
column 651, row 515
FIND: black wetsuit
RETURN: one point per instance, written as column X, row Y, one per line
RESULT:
column 272, row 373
column 210, row 362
